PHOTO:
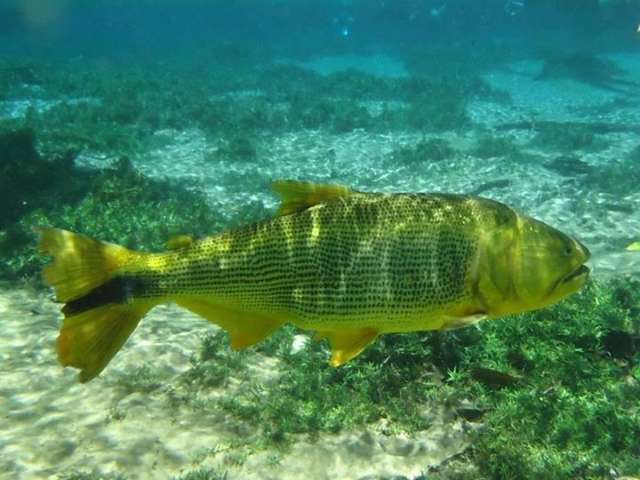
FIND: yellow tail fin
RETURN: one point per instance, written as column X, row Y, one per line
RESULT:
column 80, row 263
column 88, row 341
column 98, row 316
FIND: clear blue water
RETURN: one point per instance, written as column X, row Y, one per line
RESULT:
column 135, row 121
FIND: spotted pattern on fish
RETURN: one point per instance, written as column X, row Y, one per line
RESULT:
column 377, row 256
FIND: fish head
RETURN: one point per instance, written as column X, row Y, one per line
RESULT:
column 535, row 265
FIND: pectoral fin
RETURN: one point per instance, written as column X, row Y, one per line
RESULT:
column 454, row 323
column 244, row 329
column 348, row 344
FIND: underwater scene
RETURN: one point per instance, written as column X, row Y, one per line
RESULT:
column 319, row 239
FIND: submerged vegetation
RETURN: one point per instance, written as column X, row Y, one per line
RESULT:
column 425, row 151
column 556, row 391
column 588, row 68
column 82, row 109
column 88, row 108
column 116, row 203
column 569, row 136
column 489, row 146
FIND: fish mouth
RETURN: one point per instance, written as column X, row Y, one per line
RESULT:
column 581, row 271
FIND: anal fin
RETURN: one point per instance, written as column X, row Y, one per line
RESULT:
column 244, row 328
column 347, row 344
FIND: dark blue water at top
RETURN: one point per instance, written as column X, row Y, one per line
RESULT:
column 146, row 29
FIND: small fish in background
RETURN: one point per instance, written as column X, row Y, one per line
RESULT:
column 348, row 265
column 634, row 247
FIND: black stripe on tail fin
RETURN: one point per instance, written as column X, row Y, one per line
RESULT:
column 118, row 290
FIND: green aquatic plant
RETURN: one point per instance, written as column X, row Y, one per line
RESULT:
column 22, row 78
column 239, row 148
column 489, row 146
column 314, row 398
column 26, row 179
column 568, row 137
column 555, row 389
column 437, row 105
column 619, row 177
column 201, row 474
column 339, row 116
column 310, row 396
column 586, row 67
column 427, row 58
column 235, row 116
column 118, row 203
column 425, row 151
column 215, row 363
column 78, row 475
column 569, row 166
column 116, row 110
column 352, row 84
column 88, row 125
column 143, row 379
column 350, row 116
column 574, row 415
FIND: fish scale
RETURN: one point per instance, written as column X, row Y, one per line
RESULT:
column 347, row 265
column 371, row 256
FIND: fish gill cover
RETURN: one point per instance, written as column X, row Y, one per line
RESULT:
column 149, row 124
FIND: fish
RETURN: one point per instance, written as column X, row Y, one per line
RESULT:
column 344, row 264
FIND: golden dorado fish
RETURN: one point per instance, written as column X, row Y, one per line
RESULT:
column 345, row 264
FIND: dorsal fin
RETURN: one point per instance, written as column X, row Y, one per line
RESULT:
column 297, row 196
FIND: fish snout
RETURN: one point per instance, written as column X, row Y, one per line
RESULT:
column 583, row 250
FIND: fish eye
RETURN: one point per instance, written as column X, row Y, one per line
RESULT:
column 568, row 250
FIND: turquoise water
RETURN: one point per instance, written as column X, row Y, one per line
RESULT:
column 134, row 122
